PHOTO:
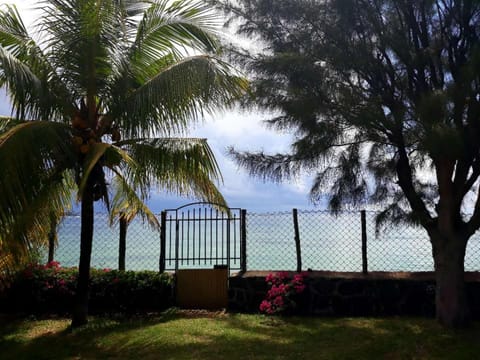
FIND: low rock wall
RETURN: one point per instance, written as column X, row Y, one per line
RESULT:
column 344, row 294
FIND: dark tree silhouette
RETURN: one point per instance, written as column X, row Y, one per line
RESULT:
column 383, row 97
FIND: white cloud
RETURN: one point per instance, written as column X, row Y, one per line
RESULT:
column 246, row 131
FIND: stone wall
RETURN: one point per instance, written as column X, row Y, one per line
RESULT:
column 353, row 294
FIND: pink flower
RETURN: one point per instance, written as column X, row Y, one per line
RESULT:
column 298, row 278
column 52, row 265
column 265, row 306
column 278, row 301
column 283, row 275
column 269, row 278
column 107, row 270
column 283, row 288
column 272, row 292
column 61, row 282
column 277, row 290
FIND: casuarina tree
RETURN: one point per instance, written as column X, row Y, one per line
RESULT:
column 103, row 91
column 383, row 97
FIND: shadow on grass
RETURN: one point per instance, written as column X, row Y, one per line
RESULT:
column 175, row 336
column 61, row 341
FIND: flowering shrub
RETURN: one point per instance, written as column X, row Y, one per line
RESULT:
column 51, row 288
column 282, row 293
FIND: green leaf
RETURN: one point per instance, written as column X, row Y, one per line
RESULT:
column 36, row 159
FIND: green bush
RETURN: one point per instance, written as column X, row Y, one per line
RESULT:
column 51, row 289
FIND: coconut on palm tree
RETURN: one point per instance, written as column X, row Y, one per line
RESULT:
column 102, row 93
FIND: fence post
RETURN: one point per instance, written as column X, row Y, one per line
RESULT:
column 364, row 242
column 243, row 240
column 122, row 243
column 163, row 240
column 297, row 240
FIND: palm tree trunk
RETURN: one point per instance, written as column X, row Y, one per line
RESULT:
column 122, row 245
column 80, row 310
column 52, row 237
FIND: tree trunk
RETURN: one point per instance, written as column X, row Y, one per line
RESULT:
column 80, row 310
column 122, row 245
column 52, row 237
column 450, row 297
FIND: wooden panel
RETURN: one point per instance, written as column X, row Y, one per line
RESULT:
column 202, row 288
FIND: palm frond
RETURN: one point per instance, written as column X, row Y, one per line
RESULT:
column 6, row 123
column 30, row 229
column 178, row 165
column 154, row 64
column 127, row 204
column 166, row 27
column 21, row 83
column 33, row 155
column 178, row 95
column 87, row 31
column 13, row 33
column 98, row 156
column 35, row 87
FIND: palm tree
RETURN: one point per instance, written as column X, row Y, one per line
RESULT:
column 103, row 94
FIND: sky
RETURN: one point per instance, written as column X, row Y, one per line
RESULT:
column 241, row 129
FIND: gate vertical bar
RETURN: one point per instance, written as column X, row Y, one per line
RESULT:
column 205, row 236
column 228, row 241
column 243, row 240
column 297, row 240
column 182, row 255
column 163, row 241
column 216, row 236
column 234, row 238
column 223, row 236
column 211, row 236
column 364, row 242
column 193, row 237
column 177, row 245
column 199, row 236
column 188, row 237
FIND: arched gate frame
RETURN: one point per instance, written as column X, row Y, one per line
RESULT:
column 202, row 234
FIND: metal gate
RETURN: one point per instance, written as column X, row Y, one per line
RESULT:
column 202, row 235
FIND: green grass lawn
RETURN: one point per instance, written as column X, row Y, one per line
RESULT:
column 180, row 335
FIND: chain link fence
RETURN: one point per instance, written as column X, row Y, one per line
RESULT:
column 142, row 248
column 327, row 242
column 334, row 243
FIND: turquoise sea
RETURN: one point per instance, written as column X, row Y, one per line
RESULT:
column 327, row 243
